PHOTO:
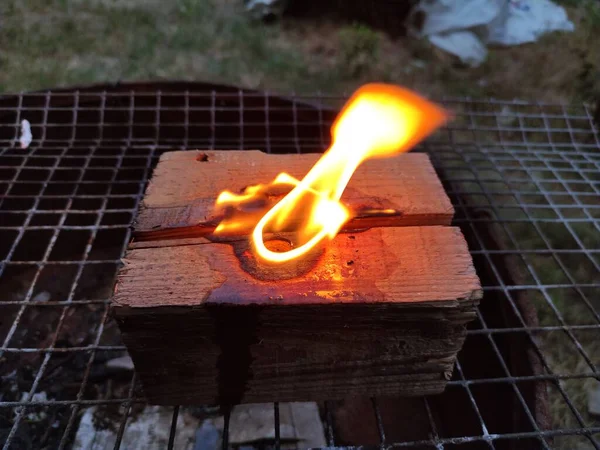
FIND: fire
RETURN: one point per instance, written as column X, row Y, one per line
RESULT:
column 379, row 121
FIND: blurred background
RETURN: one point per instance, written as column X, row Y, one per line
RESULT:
column 306, row 46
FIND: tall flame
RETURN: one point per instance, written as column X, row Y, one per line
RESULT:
column 378, row 121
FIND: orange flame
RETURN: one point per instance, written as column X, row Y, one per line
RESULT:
column 378, row 121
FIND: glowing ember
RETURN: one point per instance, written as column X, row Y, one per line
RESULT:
column 378, row 121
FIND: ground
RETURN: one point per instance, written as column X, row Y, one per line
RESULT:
column 49, row 43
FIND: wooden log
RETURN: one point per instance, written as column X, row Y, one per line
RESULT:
column 380, row 311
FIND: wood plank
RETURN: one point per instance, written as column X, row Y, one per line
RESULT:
column 396, row 265
column 185, row 185
column 389, row 323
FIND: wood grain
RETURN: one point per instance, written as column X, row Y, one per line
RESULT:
column 185, row 185
column 378, row 311
column 390, row 265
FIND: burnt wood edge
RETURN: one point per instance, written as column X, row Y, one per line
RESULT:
column 459, row 310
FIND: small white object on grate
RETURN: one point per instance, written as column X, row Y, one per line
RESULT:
column 26, row 136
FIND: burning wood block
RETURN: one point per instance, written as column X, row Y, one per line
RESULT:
column 381, row 309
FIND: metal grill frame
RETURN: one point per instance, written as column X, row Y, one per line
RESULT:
column 529, row 164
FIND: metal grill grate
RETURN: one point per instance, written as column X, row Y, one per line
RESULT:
column 524, row 179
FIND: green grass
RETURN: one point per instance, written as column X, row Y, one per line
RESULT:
column 359, row 49
column 61, row 43
column 49, row 43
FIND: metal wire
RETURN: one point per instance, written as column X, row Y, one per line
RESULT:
column 524, row 179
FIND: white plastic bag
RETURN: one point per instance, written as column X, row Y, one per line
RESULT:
column 465, row 27
column 528, row 20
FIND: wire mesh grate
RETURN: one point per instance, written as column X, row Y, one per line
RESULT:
column 524, row 179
